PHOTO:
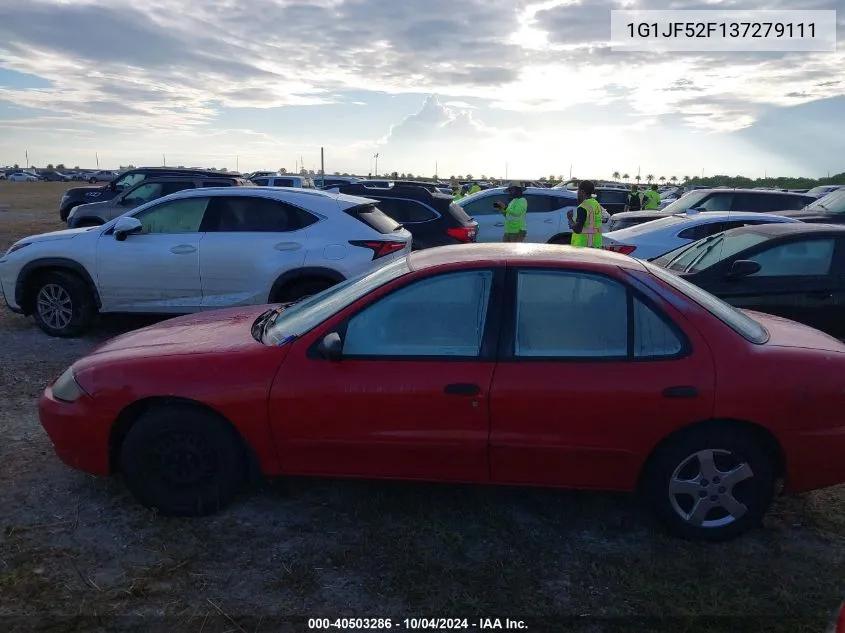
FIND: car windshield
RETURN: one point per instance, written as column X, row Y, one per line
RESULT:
column 686, row 202
column 834, row 202
column 819, row 191
column 301, row 317
column 737, row 320
column 708, row 251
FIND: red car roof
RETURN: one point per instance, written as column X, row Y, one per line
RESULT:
column 509, row 253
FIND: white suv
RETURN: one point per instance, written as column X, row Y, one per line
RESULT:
column 198, row 249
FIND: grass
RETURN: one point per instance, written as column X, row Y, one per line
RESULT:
column 78, row 547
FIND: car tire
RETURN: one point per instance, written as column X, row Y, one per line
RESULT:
column 300, row 289
column 706, row 468
column 182, row 461
column 62, row 304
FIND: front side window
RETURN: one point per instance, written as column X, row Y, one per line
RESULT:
column 484, row 205
column 439, row 316
column 540, row 204
column 129, row 180
column 144, row 193
column 796, row 259
column 261, row 182
column 716, row 202
column 176, row 216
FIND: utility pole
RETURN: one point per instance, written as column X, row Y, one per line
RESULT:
column 164, row 160
column 322, row 168
column 376, row 157
column 26, row 154
column 97, row 159
column 237, row 164
column 506, row 171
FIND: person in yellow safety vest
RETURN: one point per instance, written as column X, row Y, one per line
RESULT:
column 474, row 189
column 457, row 194
column 651, row 199
column 514, row 212
column 586, row 224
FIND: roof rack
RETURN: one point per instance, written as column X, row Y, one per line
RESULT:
column 410, row 191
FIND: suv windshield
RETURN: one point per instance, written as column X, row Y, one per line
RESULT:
column 704, row 253
column 686, row 202
column 834, row 202
column 301, row 317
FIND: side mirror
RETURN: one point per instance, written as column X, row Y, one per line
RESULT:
column 126, row 226
column 331, row 347
column 743, row 268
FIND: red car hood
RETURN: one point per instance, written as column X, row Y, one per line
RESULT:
column 202, row 333
column 786, row 333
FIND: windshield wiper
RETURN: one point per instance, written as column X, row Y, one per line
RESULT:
column 257, row 329
column 271, row 316
column 703, row 254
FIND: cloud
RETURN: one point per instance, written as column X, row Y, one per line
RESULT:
column 436, row 122
column 173, row 65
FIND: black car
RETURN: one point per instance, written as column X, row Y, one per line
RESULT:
column 97, row 213
column 796, row 271
column 754, row 200
column 432, row 218
column 613, row 199
column 83, row 195
column 829, row 209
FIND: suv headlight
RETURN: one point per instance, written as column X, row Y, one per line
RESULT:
column 66, row 388
column 17, row 247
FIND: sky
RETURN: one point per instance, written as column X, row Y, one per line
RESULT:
column 502, row 88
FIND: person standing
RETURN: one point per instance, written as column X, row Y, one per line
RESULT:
column 635, row 199
column 586, row 224
column 457, row 194
column 651, row 199
column 475, row 188
column 514, row 212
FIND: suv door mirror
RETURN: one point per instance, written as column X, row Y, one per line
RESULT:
column 743, row 268
column 331, row 347
column 125, row 226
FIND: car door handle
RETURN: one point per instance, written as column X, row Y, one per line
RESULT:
column 499, row 224
column 288, row 246
column 462, row 389
column 549, row 221
column 684, row 391
column 183, row 249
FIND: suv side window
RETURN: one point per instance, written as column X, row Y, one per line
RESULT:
column 756, row 202
column 539, row 204
column 210, row 183
column 249, row 214
column 175, row 216
column 717, row 201
column 791, row 203
column 484, row 206
column 142, row 194
column 261, row 182
column 406, row 211
column 612, row 196
column 129, row 180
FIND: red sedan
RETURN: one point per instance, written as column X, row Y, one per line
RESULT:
column 496, row 363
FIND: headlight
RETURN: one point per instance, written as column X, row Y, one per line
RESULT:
column 66, row 388
column 17, row 247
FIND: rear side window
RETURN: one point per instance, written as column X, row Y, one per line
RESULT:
column 793, row 203
column 540, row 204
column 214, row 183
column 283, row 182
column 612, row 196
column 406, row 211
column 239, row 214
column 172, row 187
column 373, row 217
column 261, row 182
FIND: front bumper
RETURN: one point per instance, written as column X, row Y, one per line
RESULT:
column 78, row 430
column 8, row 297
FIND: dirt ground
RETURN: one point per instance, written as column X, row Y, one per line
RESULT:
column 78, row 554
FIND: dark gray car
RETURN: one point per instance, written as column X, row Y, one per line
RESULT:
column 97, row 213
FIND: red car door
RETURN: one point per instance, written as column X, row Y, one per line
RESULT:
column 409, row 396
column 592, row 373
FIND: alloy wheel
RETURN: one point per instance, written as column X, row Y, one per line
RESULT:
column 54, row 306
column 705, row 490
